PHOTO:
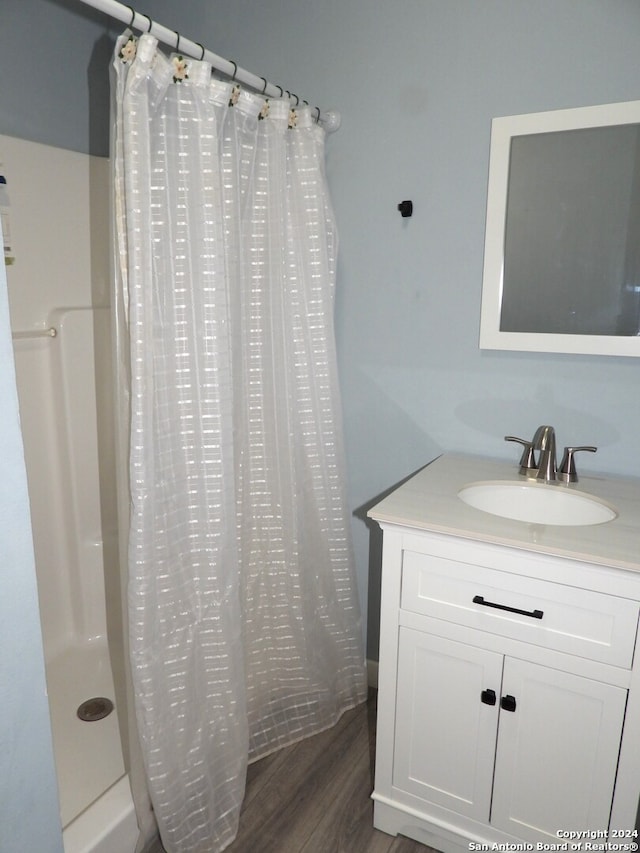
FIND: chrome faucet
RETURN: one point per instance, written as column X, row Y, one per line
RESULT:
column 544, row 440
column 545, row 468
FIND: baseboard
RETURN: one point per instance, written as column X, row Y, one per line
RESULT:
column 372, row 673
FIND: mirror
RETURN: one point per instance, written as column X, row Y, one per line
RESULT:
column 562, row 243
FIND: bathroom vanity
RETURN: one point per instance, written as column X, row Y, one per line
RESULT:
column 509, row 687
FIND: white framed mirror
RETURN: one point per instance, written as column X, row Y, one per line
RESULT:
column 562, row 243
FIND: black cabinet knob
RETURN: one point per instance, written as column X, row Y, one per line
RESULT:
column 488, row 697
column 405, row 208
column 508, row 702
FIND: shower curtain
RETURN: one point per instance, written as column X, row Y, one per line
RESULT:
column 244, row 627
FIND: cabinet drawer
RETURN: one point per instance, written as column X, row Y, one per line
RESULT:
column 580, row 622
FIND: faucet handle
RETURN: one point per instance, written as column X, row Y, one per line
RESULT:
column 527, row 460
column 567, row 472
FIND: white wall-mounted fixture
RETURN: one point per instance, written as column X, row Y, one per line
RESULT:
column 562, row 243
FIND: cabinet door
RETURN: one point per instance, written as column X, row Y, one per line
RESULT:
column 557, row 752
column 445, row 734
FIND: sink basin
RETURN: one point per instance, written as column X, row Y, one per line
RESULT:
column 537, row 503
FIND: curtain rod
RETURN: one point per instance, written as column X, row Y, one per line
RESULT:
column 139, row 21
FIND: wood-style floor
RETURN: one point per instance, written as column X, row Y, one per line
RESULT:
column 314, row 796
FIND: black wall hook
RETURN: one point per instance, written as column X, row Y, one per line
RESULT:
column 405, row 208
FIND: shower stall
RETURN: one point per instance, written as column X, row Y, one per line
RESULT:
column 59, row 292
column 241, row 604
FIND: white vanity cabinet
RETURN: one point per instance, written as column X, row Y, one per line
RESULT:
column 508, row 704
column 520, row 760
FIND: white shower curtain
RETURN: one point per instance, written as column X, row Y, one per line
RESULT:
column 244, row 626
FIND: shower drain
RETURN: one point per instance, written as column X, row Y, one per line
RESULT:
column 95, row 709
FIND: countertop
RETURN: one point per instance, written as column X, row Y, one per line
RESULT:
column 429, row 501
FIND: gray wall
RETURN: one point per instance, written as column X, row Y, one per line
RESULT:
column 417, row 83
column 44, row 97
column 55, row 58
column 29, row 819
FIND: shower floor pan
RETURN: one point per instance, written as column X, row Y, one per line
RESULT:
column 88, row 754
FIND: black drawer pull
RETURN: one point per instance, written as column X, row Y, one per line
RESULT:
column 535, row 614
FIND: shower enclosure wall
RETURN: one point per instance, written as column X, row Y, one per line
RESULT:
column 60, row 282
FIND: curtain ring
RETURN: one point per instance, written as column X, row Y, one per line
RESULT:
column 200, row 46
column 177, row 41
column 296, row 97
column 235, row 70
column 133, row 16
column 148, row 19
column 318, row 116
column 281, row 89
column 264, row 88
